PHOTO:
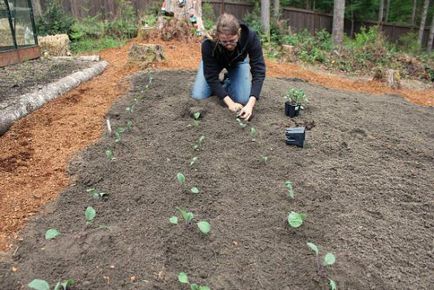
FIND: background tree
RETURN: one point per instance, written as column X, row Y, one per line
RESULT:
column 431, row 36
column 276, row 9
column 265, row 17
column 338, row 22
column 381, row 12
column 422, row 22
column 413, row 15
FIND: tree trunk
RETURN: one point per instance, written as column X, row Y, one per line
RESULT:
column 431, row 36
column 413, row 14
column 380, row 12
column 276, row 9
column 191, row 10
column 37, row 8
column 338, row 22
column 386, row 19
column 422, row 22
column 265, row 17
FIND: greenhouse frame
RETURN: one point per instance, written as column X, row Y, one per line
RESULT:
column 18, row 39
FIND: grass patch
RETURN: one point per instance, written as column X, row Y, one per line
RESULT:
column 94, row 45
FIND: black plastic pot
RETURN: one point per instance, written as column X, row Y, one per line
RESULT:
column 291, row 110
column 295, row 136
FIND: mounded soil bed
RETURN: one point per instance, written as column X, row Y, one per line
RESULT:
column 28, row 76
column 364, row 179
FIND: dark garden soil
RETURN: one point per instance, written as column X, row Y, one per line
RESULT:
column 364, row 179
column 25, row 77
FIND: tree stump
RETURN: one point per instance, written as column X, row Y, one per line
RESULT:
column 145, row 54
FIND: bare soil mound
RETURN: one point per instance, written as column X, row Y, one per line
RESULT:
column 364, row 180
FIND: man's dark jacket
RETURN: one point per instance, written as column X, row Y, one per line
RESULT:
column 215, row 58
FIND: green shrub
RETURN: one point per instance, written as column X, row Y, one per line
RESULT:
column 87, row 28
column 87, row 45
column 54, row 20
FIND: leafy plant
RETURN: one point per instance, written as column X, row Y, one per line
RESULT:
column 288, row 185
column 196, row 117
column 195, row 190
column 295, row 219
column 328, row 260
column 240, row 123
column 90, row 214
column 193, row 160
column 39, row 284
column 204, row 227
column 109, row 154
column 186, row 215
column 51, row 234
column 173, row 220
column 198, row 144
column 264, row 159
column 118, row 133
column 96, row 193
column 181, row 178
column 296, row 96
column 54, row 20
column 253, row 133
column 183, row 279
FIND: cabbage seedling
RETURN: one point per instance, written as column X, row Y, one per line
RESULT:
column 90, row 214
column 118, row 133
column 183, row 279
column 194, row 190
column 181, row 178
column 109, row 154
column 264, row 159
column 186, row 215
column 295, row 219
column 240, row 123
column 288, row 185
column 39, row 284
column 173, row 220
column 328, row 260
column 198, row 144
column 196, row 117
column 253, row 133
column 193, row 160
column 96, row 193
column 204, row 227
column 51, row 234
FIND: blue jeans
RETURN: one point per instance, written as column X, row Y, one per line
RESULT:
column 238, row 83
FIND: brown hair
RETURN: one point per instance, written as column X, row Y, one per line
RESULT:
column 228, row 24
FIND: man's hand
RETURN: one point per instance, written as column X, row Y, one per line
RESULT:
column 232, row 106
column 247, row 111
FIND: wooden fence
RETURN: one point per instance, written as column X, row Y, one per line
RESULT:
column 297, row 19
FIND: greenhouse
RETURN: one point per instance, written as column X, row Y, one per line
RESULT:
column 18, row 40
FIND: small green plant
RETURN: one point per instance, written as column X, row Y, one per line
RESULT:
column 39, row 284
column 296, row 97
column 328, row 260
column 204, row 227
column 193, row 160
column 240, row 123
column 253, row 133
column 295, row 219
column 118, row 133
column 181, row 178
column 288, row 185
column 196, row 117
column 198, row 144
column 263, row 159
column 90, row 214
column 109, row 154
column 183, row 279
column 186, row 215
column 96, row 193
column 194, row 190
column 51, row 234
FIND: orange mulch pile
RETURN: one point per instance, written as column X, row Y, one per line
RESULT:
column 35, row 152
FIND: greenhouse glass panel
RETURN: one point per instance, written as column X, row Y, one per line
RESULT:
column 6, row 38
column 22, row 22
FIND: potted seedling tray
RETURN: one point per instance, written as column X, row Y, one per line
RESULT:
column 295, row 98
column 295, row 136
